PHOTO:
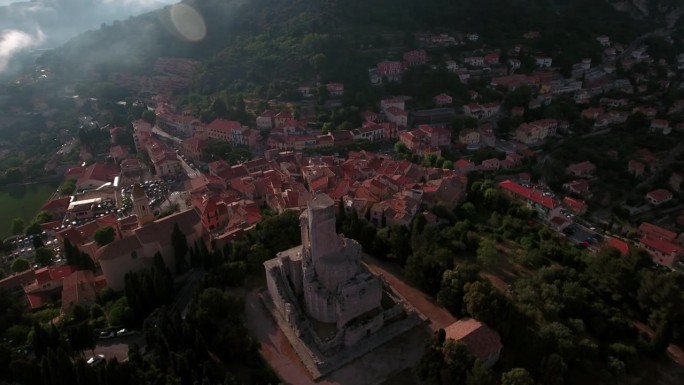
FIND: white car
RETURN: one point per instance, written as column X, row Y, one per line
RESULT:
column 96, row 359
column 125, row 332
column 107, row 335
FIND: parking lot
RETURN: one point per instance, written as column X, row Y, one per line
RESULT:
column 24, row 247
column 157, row 191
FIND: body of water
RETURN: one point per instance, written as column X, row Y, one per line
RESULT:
column 22, row 201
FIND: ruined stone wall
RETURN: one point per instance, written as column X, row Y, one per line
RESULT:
column 320, row 305
column 296, row 276
column 357, row 298
column 394, row 312
column 327, row 345
column 355, row 333
column 276, row 297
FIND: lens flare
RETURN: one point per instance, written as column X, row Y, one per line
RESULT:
column 188, row 22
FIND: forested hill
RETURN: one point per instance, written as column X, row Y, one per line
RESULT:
column 260, row 41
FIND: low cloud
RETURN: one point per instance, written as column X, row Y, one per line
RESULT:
column 38, row 24
column 13, row 41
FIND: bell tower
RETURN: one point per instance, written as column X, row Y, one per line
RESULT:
column 141, row 205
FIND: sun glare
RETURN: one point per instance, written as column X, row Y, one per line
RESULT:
column 188, row 22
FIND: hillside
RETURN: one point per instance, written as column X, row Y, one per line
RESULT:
column 253, row 43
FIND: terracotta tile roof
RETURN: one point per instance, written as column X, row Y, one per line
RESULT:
column 618, row 244
column 53, row 273
column 223, row 125
column 125, row 246
column 576, row 205
column 661, row 245
column 659, row 195
column 78, row 288
column 57, row 204
column 17, row 280
column 657, row 231
column 162, row 228
column 481, row 340
column 582, row 168
column 100, row 171
column 533, row 195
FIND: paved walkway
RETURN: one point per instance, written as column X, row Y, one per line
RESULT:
column 439, row 317
column 275, row 348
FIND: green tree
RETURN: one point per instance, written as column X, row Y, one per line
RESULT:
column 458, row 360
column 517, row 376
column 479, row 375
column 44, row 256
column 487, row 254
column 42, row 217
column 485, row 303
column 180, row 249
column 105, row 235
column 17, row 226
column 451, row 293
column 33, row 229
column 19, row 265
column 149, row 117
column 68, row 187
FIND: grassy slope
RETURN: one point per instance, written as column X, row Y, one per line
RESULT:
column 21, row 202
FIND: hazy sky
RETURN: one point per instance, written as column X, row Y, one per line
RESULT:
column 49, row 23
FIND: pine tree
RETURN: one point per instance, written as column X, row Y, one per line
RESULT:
column 180, row 249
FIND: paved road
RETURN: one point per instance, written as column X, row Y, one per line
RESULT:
column 184, row 297
column 116, row 347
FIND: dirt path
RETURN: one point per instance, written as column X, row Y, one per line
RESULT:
column 439, row 317
column 674, row 352
column 275, row 348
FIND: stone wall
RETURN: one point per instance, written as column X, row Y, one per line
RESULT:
column 320, row 304
column 358, row 297
column 355, row 333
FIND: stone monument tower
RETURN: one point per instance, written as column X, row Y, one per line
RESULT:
column 334, row 290
column 326, row 299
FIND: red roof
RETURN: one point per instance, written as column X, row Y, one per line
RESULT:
column 660, row 195
column 461, row 163
column 103, row 172
column 395, row 111
column 58, row 203
column 18, row 279
column 657, row 231
column 661, row 245
column 575, row 205
column 267, row 114
column 480, row 339
column 78, row 288
column 532, row 195
column 74, row 171
column 223, row 125
column 53, row 273
column 618, row 244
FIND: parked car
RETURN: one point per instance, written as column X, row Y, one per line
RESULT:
column 124, row 332
column 107, row 335
column 96, row 359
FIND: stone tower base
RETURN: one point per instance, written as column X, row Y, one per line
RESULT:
column 319, row 364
